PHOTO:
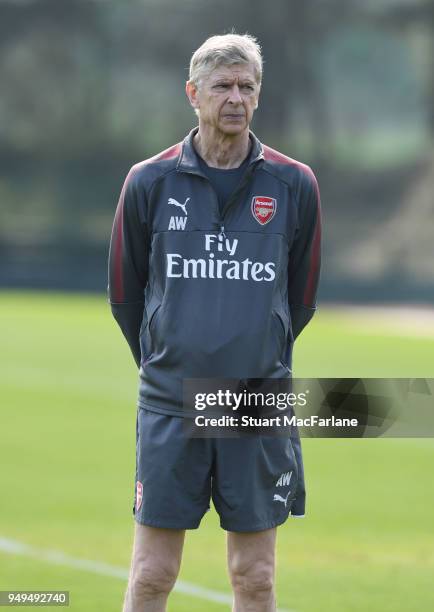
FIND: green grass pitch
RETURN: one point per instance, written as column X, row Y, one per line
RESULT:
column 68, row 391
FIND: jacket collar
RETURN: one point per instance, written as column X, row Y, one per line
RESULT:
column 188, row 161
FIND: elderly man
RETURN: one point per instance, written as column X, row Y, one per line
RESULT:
column 213, row 272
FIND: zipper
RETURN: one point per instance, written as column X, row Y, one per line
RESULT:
column 221, row 234
column 232, row 199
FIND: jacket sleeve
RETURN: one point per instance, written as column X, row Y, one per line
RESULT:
column 305, row 255
column 128, row 262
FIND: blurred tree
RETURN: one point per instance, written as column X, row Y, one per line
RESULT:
column 56, row 70
column 414, row 17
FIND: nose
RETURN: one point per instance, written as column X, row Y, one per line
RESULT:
column 234, row 95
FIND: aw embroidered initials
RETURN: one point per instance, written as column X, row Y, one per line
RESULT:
column 178, row 223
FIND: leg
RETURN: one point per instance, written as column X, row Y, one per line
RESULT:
column 251, row 562
column 155, row 565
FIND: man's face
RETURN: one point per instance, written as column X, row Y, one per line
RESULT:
column 226, row 98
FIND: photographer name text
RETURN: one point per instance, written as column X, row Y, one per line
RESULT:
column 277, row 421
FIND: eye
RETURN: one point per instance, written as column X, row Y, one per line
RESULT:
column 247, row 87
column 220, row 86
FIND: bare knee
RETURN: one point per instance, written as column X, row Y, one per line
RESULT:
column 151, row 578
column 253, row 579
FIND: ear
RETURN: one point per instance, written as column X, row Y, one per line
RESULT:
column 191, row 91
column 257, row 97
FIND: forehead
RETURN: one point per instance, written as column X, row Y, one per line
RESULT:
column 242, row 72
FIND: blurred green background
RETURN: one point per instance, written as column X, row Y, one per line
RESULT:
column 89, row 87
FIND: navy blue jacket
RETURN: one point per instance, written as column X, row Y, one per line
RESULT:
column 203, row 294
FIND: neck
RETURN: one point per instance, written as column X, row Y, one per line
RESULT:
column 221, row 150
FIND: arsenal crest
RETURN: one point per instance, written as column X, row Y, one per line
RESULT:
column 139, row 495
column 263, row 209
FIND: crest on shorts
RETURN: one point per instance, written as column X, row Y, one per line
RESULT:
column 139, row 494
column 263, row 209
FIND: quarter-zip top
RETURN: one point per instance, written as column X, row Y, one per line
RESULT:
column 204, row 294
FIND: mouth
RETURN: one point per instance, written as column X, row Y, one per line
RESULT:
column 233, row 116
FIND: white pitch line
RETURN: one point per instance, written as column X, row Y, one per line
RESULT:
column 14, row 547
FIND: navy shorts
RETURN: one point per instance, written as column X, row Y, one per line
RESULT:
column 255, row 482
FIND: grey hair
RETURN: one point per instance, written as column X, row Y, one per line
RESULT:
column 225, row 49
